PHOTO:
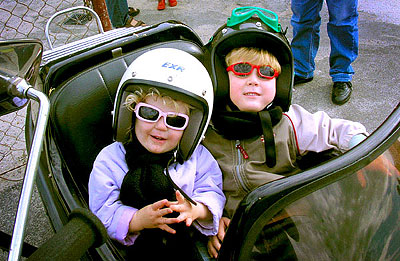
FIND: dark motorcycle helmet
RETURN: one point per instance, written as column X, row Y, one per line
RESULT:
column 244, row 30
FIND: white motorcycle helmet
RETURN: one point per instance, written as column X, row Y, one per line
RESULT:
column 177, row 74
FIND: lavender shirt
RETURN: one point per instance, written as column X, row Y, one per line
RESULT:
column 200, row 177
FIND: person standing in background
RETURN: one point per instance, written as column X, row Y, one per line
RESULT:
column 343, row 34
column 121, row 15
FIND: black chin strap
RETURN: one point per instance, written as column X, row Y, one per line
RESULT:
column 269, row 141
column 173, row 183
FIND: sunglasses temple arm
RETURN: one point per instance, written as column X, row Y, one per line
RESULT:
column 176, row 186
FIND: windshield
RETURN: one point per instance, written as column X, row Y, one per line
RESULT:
column 355, row 218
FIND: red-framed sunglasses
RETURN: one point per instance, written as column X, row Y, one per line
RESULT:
column 245, row 68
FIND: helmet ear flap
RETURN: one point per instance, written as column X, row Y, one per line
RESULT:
column 125, row 120
column 283, row 96
column 192, row 131
column 221, row 81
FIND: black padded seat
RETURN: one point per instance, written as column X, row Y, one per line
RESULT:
column 80, row 116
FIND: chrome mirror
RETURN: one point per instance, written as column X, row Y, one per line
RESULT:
column 19, row 65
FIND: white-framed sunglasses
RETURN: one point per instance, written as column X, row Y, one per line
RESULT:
column 149, row 113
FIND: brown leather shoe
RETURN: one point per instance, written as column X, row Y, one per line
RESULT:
column 133, row 11
column 134, row 23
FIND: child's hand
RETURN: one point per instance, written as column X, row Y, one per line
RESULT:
column 214, row 242
column 185, row 209
column 152, row 216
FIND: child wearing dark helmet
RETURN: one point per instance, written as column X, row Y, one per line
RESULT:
column 256, row 135
column 155, row 180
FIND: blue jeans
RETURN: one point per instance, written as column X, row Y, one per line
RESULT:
column 342, row 31
column 118, row 11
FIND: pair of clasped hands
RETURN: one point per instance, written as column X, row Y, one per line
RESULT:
column 153, row 215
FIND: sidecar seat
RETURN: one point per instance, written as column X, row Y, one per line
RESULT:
column 80, row 117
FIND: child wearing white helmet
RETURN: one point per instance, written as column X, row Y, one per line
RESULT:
column 156, row 180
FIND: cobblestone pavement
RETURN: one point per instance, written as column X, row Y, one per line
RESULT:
column 22, row 19
column 12, row 144
column 376, row 87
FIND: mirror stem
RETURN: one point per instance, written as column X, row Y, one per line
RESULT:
column 32, row 165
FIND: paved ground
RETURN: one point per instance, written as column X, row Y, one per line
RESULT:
column 376, row 84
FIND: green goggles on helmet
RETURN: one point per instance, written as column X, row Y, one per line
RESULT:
column 242, row 14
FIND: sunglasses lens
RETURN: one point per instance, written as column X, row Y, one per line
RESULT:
column 148, row 113
column 267, row 71
column 176, row 121
column 242, row 68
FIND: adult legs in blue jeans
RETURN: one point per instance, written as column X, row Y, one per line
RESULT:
column 118, row 12
column 306, row 22
column 343, row 34
column 121, row 15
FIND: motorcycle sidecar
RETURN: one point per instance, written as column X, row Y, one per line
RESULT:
column 346, row 208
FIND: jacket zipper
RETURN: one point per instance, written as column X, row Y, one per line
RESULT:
column 241, row 153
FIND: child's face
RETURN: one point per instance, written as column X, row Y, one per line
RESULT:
column 251, row 93
column 156, row 137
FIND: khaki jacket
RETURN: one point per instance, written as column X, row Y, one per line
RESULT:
column 243, row 161
column 241, row 175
